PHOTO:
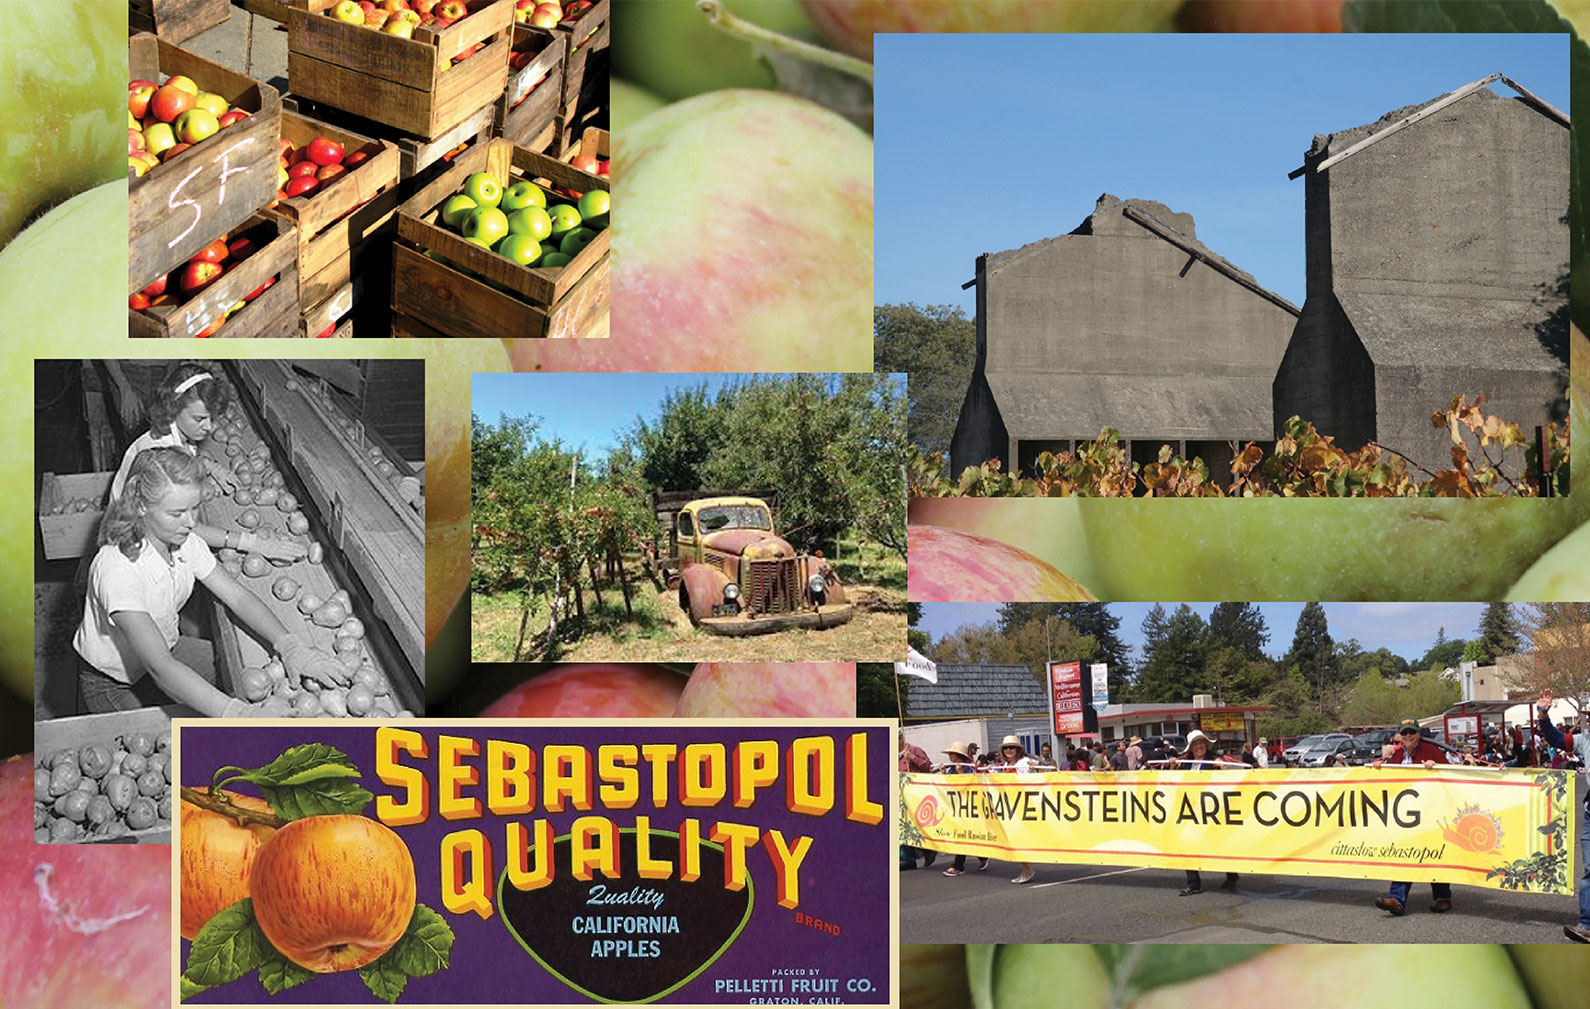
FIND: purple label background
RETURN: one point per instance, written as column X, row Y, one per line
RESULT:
column 844, row 879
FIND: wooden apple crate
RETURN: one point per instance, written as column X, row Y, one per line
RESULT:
column 343, row 228
column 176, row 21
column 404, row 83
column 526, row 110
column 82, row 730
column 593, row 140
column 414, row 155
column 186, row 203
column 578, row 39
column 508, row 300
column 274, row 313
column 71, row 534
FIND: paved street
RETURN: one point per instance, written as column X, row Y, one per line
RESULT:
column 1075, row 903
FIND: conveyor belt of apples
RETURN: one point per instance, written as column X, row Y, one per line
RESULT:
column 346, row 515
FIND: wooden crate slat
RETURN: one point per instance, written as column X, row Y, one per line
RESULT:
column 184, row 204
column 446, row 301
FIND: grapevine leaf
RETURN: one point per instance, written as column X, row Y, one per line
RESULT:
column 278, row 974
column 229, row 946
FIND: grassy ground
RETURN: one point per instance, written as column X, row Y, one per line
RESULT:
column 659, row 631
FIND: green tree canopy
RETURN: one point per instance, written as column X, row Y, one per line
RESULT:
column 1240, row 626
column 1312, row 651
column 935, row 344
column 1174, row 658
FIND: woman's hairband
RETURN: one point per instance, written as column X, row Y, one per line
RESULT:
column 190, row 382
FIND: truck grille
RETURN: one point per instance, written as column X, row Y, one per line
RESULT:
column 773, row 587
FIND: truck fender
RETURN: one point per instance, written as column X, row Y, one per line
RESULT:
column 701, row 587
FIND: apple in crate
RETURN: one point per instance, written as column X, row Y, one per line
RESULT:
column 348, row 11
column 324, row 151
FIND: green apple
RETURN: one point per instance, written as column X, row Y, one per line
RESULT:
column 484, row 189
column 1558, row 976
column 576, row 240
column 552, row 260
column 63, row 91
column 593, row 207
column 931, row 976
column 1181, row 977
column 565, row 218
column 456, row 209
column 629, row 103
column 159, row 138
column 669, row 47
column 532, row 221
column 522, row 249
column 522, row 194
column 485, row 224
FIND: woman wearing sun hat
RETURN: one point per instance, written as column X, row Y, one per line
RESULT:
column 1197, row 757
column 960, row 762
column 1013, row 757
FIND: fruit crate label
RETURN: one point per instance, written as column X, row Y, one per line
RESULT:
column 486, row 862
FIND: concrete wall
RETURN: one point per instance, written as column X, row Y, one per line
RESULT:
column 1118, row 305
column 1470, row 202
column 980, row 433
column 1327, row 377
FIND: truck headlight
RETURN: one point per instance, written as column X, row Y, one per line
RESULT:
column 816, row 586
column 731, row 592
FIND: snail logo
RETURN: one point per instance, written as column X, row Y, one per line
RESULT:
column 928, row 814
column 1474, row 830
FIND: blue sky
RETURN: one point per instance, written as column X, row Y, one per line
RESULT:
column 1408, row 629
column 587, row 412
column 988, row 142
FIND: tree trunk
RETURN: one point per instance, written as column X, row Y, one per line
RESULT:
column 596, row 588
column 623, row 583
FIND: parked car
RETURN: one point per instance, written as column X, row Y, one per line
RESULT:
column 1278, row 746
column 1294, row 754
column 1324, row 754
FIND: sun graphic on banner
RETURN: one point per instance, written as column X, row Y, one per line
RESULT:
column 1474, row 830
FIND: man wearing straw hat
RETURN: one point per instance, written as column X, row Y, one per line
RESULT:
column 960, row 762
column 1196, row 758
column 1134, row 753
column 1013, row 757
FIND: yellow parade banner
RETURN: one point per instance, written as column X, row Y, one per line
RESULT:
column 1507, row 829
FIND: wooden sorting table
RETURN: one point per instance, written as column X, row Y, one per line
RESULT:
column 373, row 539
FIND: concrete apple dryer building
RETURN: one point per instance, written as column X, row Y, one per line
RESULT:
column 1437, row 262
column 1126, row 322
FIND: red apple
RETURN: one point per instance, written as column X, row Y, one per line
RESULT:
column 196, row 276
column 585, row 163
column 217, row 855
column 302, row 186
column 172, row 152
column 231, row 116
column 324, row 151
column 169, row 102
column 424, row 7
column 546, row 16
column 135, row 142
column 356, row 158
column 1261, row 16
column 185, row 83
column 770, row 690
column 157, row 288
column 138, row 95
column 241, row 248
column 323, row 334
column 211, row 329
column 329, row 172
column 947, row 565
column 215, row 252
column 85, row 924
column 333, row 893
column 608, row 690
column 139, row 301
column 288, row 149
column 260, row 290
column 302, row 168
column 452, row 10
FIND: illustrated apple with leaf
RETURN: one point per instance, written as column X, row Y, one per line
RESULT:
column 319, row 887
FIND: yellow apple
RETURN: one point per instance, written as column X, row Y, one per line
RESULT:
column 217, row 855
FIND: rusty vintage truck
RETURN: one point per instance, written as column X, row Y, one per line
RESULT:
column 735, row 575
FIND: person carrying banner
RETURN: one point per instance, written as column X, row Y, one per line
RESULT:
column 1134, row 753
column 1195, row 758
column 1579, row 931
column 914, row 760
column 960, row 762
column 1413, row 749
column 1013, row 757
